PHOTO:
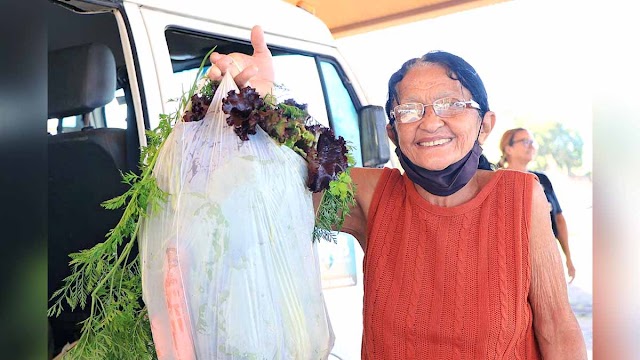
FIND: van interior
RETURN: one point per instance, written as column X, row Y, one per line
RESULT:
column 89, row 143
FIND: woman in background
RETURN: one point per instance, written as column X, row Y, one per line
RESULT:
column 518, row 149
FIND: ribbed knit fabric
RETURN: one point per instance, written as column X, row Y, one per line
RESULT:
column 448, row 283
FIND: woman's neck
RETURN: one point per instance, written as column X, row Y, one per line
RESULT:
column 517, row 166
column 468, row 192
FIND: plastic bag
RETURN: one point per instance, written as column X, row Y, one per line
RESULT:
column 229, row 270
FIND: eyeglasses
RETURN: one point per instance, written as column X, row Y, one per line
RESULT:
column 525, row 142
column 444, row 108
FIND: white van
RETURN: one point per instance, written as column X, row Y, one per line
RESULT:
column 114, row 66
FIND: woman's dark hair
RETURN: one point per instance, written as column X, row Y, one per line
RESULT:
column 457, row 69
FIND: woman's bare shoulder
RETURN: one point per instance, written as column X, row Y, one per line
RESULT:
column 367, row 174
column 366, row 179
column 483, row 177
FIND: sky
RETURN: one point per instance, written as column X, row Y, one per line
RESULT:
column 533, row 57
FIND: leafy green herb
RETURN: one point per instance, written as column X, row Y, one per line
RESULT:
column 335, row 205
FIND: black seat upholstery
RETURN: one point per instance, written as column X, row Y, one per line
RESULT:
column 81, row 79
column 84, row 167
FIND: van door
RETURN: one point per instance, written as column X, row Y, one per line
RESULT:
column 310, row 73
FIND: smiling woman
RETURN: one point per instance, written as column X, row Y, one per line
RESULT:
column 442, row 137
column 447, row 243
column 534, row 79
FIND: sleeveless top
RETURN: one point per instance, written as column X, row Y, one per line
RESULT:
column 448, row 282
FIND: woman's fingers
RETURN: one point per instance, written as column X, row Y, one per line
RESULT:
column 245, row 76
column 256, row 70
column 214, row 72
column 221, row 63
column 258, row 43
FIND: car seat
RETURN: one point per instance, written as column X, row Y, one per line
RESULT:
column 84, row 167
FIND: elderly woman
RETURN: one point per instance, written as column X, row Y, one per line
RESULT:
column 460, row 263
column 518, row 149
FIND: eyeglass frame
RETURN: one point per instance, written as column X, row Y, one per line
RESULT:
column 525, row 142
column 469, row 104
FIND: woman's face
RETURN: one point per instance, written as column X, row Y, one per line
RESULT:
column 433, row 142
column 522, row 148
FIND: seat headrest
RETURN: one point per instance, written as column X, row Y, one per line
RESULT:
column 81, row 79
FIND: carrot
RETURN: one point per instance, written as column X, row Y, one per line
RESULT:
column 177, row 309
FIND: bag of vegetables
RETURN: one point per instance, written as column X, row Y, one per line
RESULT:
column 229, row 270
column 223, row 216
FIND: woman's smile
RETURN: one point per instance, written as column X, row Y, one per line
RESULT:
column 433, row 143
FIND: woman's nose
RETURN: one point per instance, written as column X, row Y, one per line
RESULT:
column 430, row 121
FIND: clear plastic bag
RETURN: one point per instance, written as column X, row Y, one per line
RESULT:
column 229, row 270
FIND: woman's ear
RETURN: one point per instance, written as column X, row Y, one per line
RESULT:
column 392, row 134
column 487, row 123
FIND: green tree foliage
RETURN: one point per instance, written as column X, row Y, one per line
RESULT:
column 558, row 144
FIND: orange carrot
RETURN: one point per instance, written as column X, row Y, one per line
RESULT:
column 177, row 309
column 159, row 339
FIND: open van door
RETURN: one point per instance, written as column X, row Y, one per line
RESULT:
column 143, row 54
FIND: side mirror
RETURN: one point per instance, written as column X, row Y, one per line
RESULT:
column 373, row 136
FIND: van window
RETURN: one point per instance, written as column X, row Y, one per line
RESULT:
column 307, row 78
column 297, row 78
column 115, row 112
column 296, row 74
column 112, row 115
column 69, row 124
column 343, row 112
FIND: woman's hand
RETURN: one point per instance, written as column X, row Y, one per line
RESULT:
column 255, row 71
column 571, row 270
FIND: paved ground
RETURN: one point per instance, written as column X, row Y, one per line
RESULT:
column 581, row 302
column 576, row 197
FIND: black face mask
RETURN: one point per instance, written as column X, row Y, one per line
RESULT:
column 448, row 180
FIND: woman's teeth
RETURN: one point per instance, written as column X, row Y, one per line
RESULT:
column 434, row 143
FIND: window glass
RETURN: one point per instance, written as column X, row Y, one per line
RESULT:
column 112, row 115
column 184, row 79
column 69, row 124
column 297, row 78
column 115, row 112
column 344, row 116
column 296, row 74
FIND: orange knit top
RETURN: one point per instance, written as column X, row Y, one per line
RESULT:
column 448, row 282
